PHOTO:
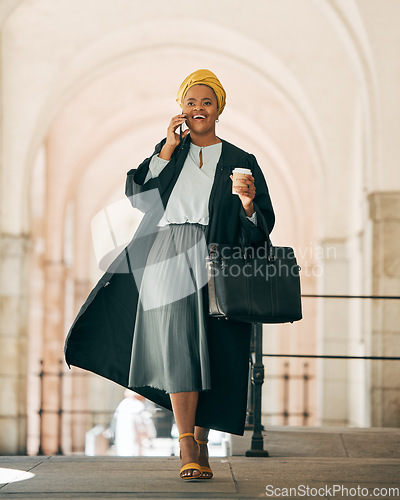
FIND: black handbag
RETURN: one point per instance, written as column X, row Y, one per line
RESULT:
column 254, row 284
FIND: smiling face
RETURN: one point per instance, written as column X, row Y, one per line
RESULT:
column 201, row 109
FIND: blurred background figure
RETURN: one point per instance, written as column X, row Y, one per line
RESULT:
column 134, row 427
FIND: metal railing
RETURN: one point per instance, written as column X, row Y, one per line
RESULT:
column 60, row 411
column 256, row 380
column 254, row 411
column 287, row 377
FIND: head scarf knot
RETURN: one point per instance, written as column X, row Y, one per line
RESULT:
column 203, row 77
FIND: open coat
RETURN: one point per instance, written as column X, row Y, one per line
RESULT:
column 100, row 339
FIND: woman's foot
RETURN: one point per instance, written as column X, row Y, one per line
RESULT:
column 189, row 455
column 203, row 460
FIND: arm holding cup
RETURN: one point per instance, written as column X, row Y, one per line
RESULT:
column 255, row 199
column 243, row 186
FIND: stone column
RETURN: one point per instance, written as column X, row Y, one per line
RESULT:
column 14, row 252
column 80, row 397
column 53, row 342
column 333, row 336
column 385, row 334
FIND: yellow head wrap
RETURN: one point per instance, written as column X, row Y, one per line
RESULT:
column 203, row 77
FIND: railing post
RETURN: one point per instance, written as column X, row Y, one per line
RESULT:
column 60, row 406
column 257, row 380
column 306, row 378
column 41, row 375
column 286, row 379
column 250, row 399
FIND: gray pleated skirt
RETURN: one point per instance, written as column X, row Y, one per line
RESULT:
column 169, row 350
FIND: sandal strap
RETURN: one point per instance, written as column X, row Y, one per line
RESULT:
column 202, row 442
column 186, row 434
column 191, row 466
column 206, row 469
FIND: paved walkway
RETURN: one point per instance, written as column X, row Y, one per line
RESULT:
column 331, row 463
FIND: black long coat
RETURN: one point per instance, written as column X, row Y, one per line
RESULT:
column 100, row 339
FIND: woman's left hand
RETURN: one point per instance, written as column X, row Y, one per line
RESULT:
column 247, row 194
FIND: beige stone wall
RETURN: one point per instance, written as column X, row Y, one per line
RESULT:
column 88, row 88
column 14, row 252
column 385, row 329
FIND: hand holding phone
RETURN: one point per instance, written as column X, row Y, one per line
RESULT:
column 173, row 138
column 183, row 132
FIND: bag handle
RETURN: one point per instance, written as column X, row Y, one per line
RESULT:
column 245, row 240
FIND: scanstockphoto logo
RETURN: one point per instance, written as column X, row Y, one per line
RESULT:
column 261, row 262
column 331, row 491
column 114, row 226
column 283, row 261
column 182, row 273
column 160, row 281
column 312, row 258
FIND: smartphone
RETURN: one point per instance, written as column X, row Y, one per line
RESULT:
column 181, row 130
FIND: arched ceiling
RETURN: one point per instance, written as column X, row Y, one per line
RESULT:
column 107, row 91
column 113, row 123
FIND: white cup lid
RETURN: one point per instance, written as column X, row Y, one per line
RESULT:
column 242, row 170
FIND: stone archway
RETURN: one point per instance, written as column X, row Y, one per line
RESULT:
column 135, row 124
column 285, row 125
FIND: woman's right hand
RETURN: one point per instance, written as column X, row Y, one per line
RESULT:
column 173, row 139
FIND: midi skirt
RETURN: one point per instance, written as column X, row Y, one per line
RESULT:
column 169, row 350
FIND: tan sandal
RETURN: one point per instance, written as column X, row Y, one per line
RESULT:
column 192, row 465
column 204, row 468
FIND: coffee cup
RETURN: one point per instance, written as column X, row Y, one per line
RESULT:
column 239, row 178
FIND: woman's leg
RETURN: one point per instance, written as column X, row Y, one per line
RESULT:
column 184, row 406
column 202, row 435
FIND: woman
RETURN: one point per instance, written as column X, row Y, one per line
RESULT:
column 145, row 324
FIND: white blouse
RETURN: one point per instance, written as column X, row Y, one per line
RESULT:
column 189, row 198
